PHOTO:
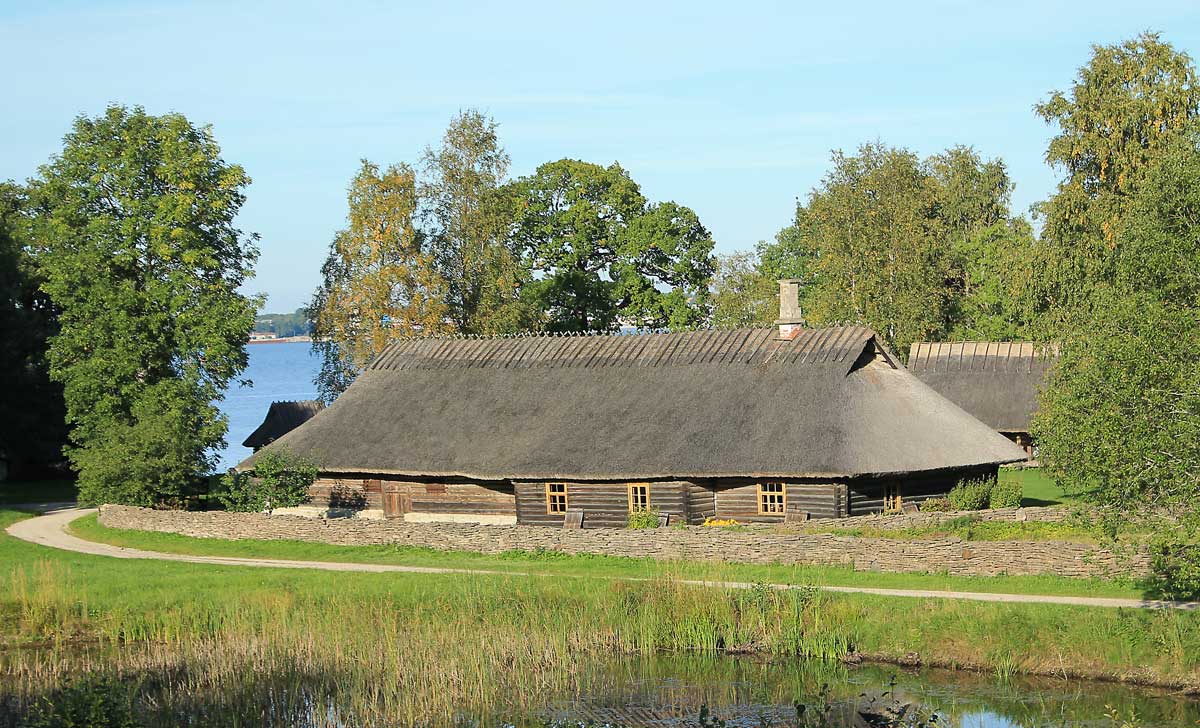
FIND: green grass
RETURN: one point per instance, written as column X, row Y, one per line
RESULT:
column 409, row 646
column 41, row 491
column 972, row 529
column 584, row 565
column 1037, row 488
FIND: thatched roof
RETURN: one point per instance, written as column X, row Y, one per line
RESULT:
column 997, row 382
column 282, row 418
column 672, row 405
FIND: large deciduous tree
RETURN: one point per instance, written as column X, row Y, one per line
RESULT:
column 466, row 213
column 138, row 250
column 1123, row 110
column 909, row 247
column 1120, row 419
column 601, row 255
column 379, row 283
column 33, row 427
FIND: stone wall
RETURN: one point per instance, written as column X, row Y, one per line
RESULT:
column 755, row 546
column 919, row 519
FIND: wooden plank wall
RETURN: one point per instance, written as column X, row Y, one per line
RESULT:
column 866, row 494
column 603, row 504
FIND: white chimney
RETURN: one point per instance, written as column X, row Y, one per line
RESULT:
column 791, row 319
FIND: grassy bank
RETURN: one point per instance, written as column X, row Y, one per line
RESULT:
column 410, row 645
column 558, row 564
column 1037, row 487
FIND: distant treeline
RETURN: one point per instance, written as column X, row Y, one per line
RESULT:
column 284, row 324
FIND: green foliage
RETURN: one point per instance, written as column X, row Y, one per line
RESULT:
column 137, row 249
column 936, row 505
column 33, row 427
column 917, row 250
column 971, row 495
column 1175, row 565
column 280, row 479
column 1119, row 421
column 1124, row 110
column 742, row 294
column 643, row 518
column 284, row 324
column 600, row 255
column 1005, row 493
column 467, row 212
column 87, row 702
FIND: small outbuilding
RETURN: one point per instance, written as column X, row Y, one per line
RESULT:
column 282, row 418
column 996, row 381
column 753, row 424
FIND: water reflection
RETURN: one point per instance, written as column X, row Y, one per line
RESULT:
column 665, row 690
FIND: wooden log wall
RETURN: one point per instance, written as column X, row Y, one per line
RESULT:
column 448, row 496
column 702, row 503
column 335, row 491
column 866, row 494
column 604, row 505
column 739, row 501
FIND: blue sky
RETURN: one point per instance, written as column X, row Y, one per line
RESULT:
column 729, row 108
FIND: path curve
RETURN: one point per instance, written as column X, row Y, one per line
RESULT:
column 50, row 530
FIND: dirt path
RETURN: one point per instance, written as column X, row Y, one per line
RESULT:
column 50, row 530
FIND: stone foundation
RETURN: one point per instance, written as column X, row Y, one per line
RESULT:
column 753, row 546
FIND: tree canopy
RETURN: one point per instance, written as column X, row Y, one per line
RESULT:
column 600, row 255
column 380, row 282
column 138, row 250
column 916, row 249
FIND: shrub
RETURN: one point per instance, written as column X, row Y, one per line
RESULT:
column 1006, row 493
column 935, row 505
column 90, row 702
column 280, row 479
column 1175, row 567
column 971, row 495
column 643, row 518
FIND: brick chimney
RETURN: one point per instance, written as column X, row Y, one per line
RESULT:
column 791, row 319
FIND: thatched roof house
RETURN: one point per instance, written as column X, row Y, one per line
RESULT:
column 746, row 423
column 282, row 418
column 997, row 382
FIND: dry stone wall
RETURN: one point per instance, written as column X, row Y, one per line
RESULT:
column 753, row 546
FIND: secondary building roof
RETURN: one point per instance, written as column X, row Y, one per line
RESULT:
column 744, row 402
column 997, row 382
column 282, row 418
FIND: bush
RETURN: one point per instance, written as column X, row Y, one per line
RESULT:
column 280, row 479
column 643, row 518
column 1006, row 493
column 90, row 702
column 971, row 495
column 935, row 505
column 1175, row 568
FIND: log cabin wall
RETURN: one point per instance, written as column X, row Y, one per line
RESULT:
column 453, row 500
column 739, row 499
column 334, row 490
column 702, row 503
column 603, row 504
column 867, row 494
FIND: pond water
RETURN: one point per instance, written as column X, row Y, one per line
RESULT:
column 665, row 690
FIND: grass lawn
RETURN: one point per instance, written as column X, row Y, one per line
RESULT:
column 586, row 565
column 40, row 491
column 450, row 631
column 1037, row 488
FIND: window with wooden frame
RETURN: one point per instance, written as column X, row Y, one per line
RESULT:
column 891, row 498
column 772, row 499
column 556, row 497
column 639, row 497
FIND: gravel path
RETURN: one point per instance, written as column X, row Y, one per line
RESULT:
column 50, row 530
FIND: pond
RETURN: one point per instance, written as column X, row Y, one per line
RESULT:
column 664, row 690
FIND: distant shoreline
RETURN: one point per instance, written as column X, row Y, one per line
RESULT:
column 283, row 340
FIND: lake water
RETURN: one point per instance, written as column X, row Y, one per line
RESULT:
column 276, row 372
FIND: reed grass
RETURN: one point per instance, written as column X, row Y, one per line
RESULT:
column 352, row 648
